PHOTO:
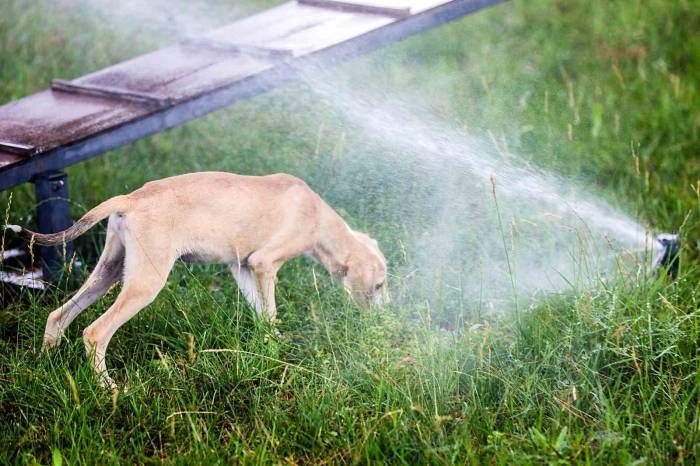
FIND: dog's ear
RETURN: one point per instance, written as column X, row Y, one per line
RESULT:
column 340, row 271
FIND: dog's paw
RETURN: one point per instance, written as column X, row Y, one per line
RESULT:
column 107, row 383
column 273, row 340
column 48, row 344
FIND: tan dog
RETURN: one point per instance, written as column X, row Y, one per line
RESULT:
column 253, row 224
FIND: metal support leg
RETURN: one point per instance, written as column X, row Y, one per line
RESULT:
column 53, row 215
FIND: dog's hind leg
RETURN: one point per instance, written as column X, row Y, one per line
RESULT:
column 146, row 268
column 248, row 286
column 107, row 272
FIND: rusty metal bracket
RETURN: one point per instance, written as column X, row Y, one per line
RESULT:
column 238, row 49
column 17, row 148
column 70, row 87
column 353, row 7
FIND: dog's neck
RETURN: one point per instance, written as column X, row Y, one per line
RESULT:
column 335, row 244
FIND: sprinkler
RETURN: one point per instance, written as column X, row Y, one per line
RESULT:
column 669, row 248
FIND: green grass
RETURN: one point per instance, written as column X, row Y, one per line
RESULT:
column 606, row 375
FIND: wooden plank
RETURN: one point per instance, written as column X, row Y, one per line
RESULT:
column 413, row 6
column 330, row 33
column 416, row 6
column 301, row 28
column 17, row 148
column 276, row 22
column 7, row 159
column 110, row 93
column 360, row 7
column 50, row 119
column 178, row 72
column 238, row 49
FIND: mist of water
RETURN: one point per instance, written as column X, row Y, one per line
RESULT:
column 473, row 223
column 162, row 22
column 490, row 230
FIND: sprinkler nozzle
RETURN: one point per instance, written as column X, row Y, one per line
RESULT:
column 669, row 246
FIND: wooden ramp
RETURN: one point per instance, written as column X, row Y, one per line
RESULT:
column 75, row 120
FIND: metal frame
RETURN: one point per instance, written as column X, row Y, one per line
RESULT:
column 53, row 215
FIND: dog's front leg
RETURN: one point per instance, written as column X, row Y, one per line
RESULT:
column 257, row 283
column 265, row 269
column 266, row 284
column 248, row 285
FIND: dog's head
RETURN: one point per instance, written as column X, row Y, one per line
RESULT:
column 365, row 274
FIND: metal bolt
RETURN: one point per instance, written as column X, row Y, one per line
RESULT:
column 57, row 185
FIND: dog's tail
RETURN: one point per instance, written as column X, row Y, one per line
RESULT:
column 108, row 207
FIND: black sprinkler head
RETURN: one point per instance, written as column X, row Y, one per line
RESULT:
column 669, row 250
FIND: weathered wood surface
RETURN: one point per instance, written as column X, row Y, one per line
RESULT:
column 84, row 117
column 50, row 119
column 398, row 11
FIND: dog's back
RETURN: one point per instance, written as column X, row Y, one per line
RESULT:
column 222, row 214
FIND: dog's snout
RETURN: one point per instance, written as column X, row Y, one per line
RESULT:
column 381, row 297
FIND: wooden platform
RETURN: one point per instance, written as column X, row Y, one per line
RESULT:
column 78, row 119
